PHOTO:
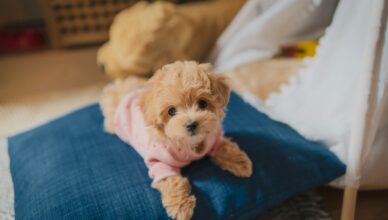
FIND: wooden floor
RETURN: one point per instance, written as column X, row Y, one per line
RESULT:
column 38, row 86
column 47, row 71
column 67, row 70
column 371, row 205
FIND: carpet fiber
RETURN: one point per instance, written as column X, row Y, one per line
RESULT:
column 306, row 206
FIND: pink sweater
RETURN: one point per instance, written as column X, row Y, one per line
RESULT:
column 161, row 160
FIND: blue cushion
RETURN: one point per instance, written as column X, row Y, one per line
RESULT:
column 70, row 169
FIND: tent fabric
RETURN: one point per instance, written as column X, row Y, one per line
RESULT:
column 377, row 140
column 328, row 100
column 262, row 26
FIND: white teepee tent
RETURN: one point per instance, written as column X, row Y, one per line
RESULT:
column 341, row 96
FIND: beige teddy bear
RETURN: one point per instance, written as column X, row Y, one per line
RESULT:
column 146, row 36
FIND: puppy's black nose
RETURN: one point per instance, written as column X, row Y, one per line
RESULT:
column 191, row 126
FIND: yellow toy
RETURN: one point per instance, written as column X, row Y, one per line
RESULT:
column 300, row 50
column 148, row 35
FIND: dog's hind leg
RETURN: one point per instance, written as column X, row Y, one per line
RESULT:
column 111, row 96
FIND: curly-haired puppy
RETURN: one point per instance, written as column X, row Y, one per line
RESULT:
column 174, row 119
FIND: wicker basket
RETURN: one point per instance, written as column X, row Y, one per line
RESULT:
column 78, row 22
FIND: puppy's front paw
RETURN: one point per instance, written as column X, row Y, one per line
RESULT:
column 231, row 158
column 182, row 209
column 240, row 165
column 176, row 197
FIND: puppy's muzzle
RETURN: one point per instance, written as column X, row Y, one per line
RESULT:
column 191, row 127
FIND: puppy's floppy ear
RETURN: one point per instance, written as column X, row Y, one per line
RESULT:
column 148, row 100
column 147, row 106
column 220, row 88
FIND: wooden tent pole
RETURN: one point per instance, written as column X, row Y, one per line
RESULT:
column 349, row 203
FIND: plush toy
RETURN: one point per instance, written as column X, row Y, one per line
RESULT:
column 146, row 36
column 174, row 119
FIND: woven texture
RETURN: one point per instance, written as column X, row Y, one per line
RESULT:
column 70, row 168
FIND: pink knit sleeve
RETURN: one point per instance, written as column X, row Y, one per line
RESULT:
column 158, row 171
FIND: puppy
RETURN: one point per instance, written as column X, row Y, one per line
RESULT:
column 174, row 119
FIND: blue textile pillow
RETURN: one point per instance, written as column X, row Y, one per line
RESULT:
column 70, row 169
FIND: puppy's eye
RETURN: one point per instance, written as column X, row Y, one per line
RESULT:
column 202, row 104
column 172, row 111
